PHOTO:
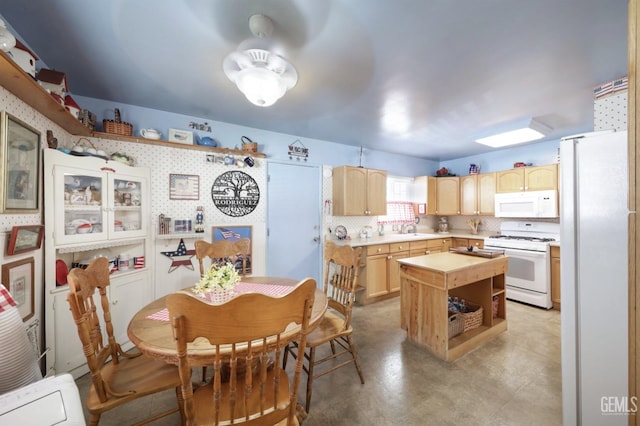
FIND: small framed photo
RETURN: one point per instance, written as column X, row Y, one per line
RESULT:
column 25, row 238
column 18, row 278
column 181, row 136
column 20, row 165
column 234, row 233
column 184, row 187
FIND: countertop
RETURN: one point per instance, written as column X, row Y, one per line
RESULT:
column 448, row 262
column 394, row 237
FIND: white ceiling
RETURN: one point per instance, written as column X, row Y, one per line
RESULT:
column 417, row 77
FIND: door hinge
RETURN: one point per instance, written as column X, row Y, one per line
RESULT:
column 267, row 232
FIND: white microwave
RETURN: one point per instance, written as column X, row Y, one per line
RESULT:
column 527, row 204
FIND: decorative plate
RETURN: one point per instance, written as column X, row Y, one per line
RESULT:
column 341, row 232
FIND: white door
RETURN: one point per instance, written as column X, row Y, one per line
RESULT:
column 294, row 221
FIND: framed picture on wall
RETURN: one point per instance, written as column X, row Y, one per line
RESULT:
column 234, row 233
column 18, row 278
column 20, row 161
column 184, row 187
column 25, row 238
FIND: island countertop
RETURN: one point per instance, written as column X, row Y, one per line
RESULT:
column 446, row 262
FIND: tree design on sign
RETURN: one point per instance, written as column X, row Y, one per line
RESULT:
column 235, row 193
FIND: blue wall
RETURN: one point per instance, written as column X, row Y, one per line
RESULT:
column 538, row 154
column 275, row 145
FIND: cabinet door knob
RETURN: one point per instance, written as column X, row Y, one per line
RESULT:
column 389, row 257
column 379, row 249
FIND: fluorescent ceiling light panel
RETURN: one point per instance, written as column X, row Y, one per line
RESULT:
column 531, row 130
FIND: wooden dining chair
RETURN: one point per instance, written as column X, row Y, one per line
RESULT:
column 248, row 335
column 342, row 264
column 117, row 377
column 224, row 251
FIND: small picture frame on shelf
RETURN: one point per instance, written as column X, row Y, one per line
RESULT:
column 20, row 165
column 18, row 278
column 181, row 136
column 24, row 239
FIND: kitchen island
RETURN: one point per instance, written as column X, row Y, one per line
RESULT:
column 427, row 282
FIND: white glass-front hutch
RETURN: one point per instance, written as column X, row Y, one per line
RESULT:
column 93, row 207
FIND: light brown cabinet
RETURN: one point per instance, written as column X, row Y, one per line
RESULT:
column 477, row 193
column 438, row 245
column 555, row 277
column 519, row 179
column 467, row 242
column 424, row 189
column 359, row 192
column 447, row 196
column 381, row 277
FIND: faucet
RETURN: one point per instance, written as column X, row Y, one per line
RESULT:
column 408, row 228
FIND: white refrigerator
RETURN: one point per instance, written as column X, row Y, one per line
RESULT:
column 594, row 274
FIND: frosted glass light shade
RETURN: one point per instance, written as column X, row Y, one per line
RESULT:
column 517, row 132
column 263, row 77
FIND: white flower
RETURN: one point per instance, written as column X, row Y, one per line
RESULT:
column 218, row 278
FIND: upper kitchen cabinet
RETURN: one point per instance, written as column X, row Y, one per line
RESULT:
column 477, row 193
column 447, row 196
column 520, row 179
column 424, row 192
column 94, row 200
column 359, row 192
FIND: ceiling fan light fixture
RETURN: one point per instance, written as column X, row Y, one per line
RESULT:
column 514, row 133
column 262, row 76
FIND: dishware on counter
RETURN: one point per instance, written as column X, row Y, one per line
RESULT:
column 150, row 134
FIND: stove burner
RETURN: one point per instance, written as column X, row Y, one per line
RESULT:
column 517, row 238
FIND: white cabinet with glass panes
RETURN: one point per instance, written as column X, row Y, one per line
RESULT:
column 93, row 207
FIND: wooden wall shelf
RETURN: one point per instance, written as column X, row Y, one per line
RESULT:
column 25, row 87
column 160, row 142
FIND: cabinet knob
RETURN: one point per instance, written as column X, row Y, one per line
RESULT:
column 427, row 252
column 389, row 257
column 114, row 302
column 379, row 249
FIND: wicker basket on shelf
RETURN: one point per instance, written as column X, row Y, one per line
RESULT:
column 117, row 126
column 473, row 317
column 456, row 324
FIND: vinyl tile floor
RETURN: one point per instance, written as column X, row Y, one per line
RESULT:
column 514, row 379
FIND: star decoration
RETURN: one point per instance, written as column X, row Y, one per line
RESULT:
column 180, row 257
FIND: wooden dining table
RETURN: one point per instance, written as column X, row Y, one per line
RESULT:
column 151, row 332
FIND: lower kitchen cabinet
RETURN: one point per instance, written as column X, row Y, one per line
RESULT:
column 127, row 293
column 380, row 275
column 467, row 242
column 555, row 277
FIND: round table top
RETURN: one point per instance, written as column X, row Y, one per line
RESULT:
column 154, row 337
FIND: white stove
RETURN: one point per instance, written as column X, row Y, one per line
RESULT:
column 527, row 244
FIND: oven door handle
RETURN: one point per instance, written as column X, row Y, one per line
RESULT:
column 519, row 252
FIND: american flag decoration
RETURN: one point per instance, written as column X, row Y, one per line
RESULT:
column 184, row 187
column 180, row 257
column 138, row 262
column 229, row 234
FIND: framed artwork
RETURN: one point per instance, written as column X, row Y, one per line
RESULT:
column 181, row 136
column 25, row 238
column 184, row 187
column 20, row 160
column 234, row 233
column 18, row 278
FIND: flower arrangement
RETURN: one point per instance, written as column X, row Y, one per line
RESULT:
column 474, row 223
column 218, row 278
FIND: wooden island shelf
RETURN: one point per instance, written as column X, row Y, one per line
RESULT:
column 426, row 284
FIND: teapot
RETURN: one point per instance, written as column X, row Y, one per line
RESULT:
column 207, row 141
column 150, row 133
